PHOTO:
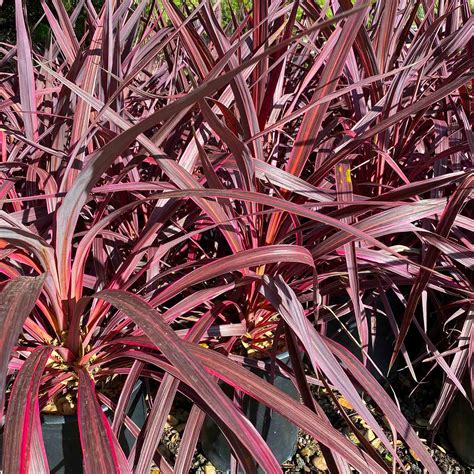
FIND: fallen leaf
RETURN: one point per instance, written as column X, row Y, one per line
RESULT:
column 414, row 455
column 320, row 463
column 344, row 403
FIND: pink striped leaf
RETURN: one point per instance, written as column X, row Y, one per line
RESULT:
column 284, row 300
column 100, row 447
column 193, row 372
column 22, row 418
column 17, row 300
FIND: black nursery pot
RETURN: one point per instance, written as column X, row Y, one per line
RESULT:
column 280, row 435
column 62, row 441
column 460, row 427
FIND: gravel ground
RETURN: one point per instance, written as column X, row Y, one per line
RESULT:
column 308, row 457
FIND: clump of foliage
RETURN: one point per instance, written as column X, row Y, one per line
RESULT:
column 181, row 194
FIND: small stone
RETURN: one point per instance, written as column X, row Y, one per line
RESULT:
column 370, row 435
column 320, row 463
column 300, row 463
column 441, row 448
column 376, row 443
column 353, row 437
column 306, row 452
column 68, row 408
column 50, row 408
column 209, row 469
column 362, row 422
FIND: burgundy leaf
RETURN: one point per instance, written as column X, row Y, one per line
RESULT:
column 18, row 298
column 26, row 74
column 22, row 419
column 162, row 335
column 446, row 221
column 100, row 447
column 285, row 301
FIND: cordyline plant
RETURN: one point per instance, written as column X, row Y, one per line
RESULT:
column 187, row 188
